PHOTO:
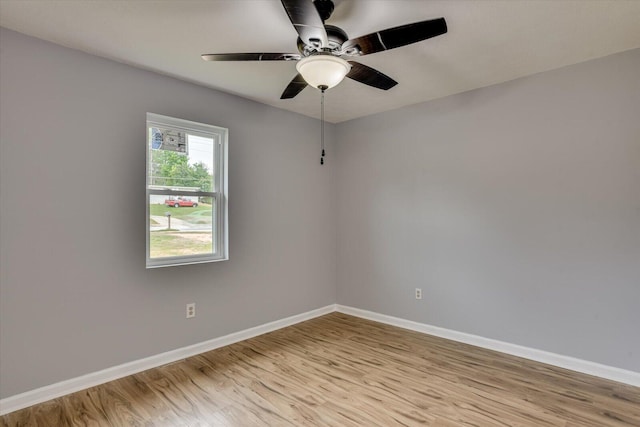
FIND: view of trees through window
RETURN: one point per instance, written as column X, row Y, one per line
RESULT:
column 171, row 169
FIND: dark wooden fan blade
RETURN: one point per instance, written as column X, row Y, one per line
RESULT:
column 306, row 20
column 294, row 88
column 369, row 76
column 251, row 56
column 396, row 37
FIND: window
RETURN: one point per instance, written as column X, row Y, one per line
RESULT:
column 186, row 192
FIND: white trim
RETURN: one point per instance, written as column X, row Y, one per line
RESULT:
column 42, row 394
column 567, row 362
column 219, row 137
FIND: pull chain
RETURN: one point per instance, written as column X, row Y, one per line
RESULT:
column 322, row 89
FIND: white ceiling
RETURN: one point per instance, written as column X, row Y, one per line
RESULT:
column 489, row 41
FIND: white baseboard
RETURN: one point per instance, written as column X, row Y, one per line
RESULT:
column 42, row 394
column 579, row 365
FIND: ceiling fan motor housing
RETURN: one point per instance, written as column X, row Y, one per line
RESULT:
column 336, row 37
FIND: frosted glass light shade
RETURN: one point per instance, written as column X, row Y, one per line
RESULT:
column 323, row 70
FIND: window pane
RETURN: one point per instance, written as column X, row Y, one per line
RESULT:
column 181, row 225
column 180, row 161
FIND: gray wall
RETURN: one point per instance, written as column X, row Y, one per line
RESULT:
column 516, row 208
column 75, row 295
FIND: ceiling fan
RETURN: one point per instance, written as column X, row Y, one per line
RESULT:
column 322, row 48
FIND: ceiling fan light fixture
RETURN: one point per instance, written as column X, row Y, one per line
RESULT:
column 323, row 70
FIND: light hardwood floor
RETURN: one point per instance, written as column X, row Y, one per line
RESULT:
column 339, row 370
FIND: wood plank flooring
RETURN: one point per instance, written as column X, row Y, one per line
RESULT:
column 339, row 370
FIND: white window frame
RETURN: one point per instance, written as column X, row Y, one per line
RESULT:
column 219, row 193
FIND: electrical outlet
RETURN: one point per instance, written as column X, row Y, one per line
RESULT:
column 191, row 310
column 418, row 293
